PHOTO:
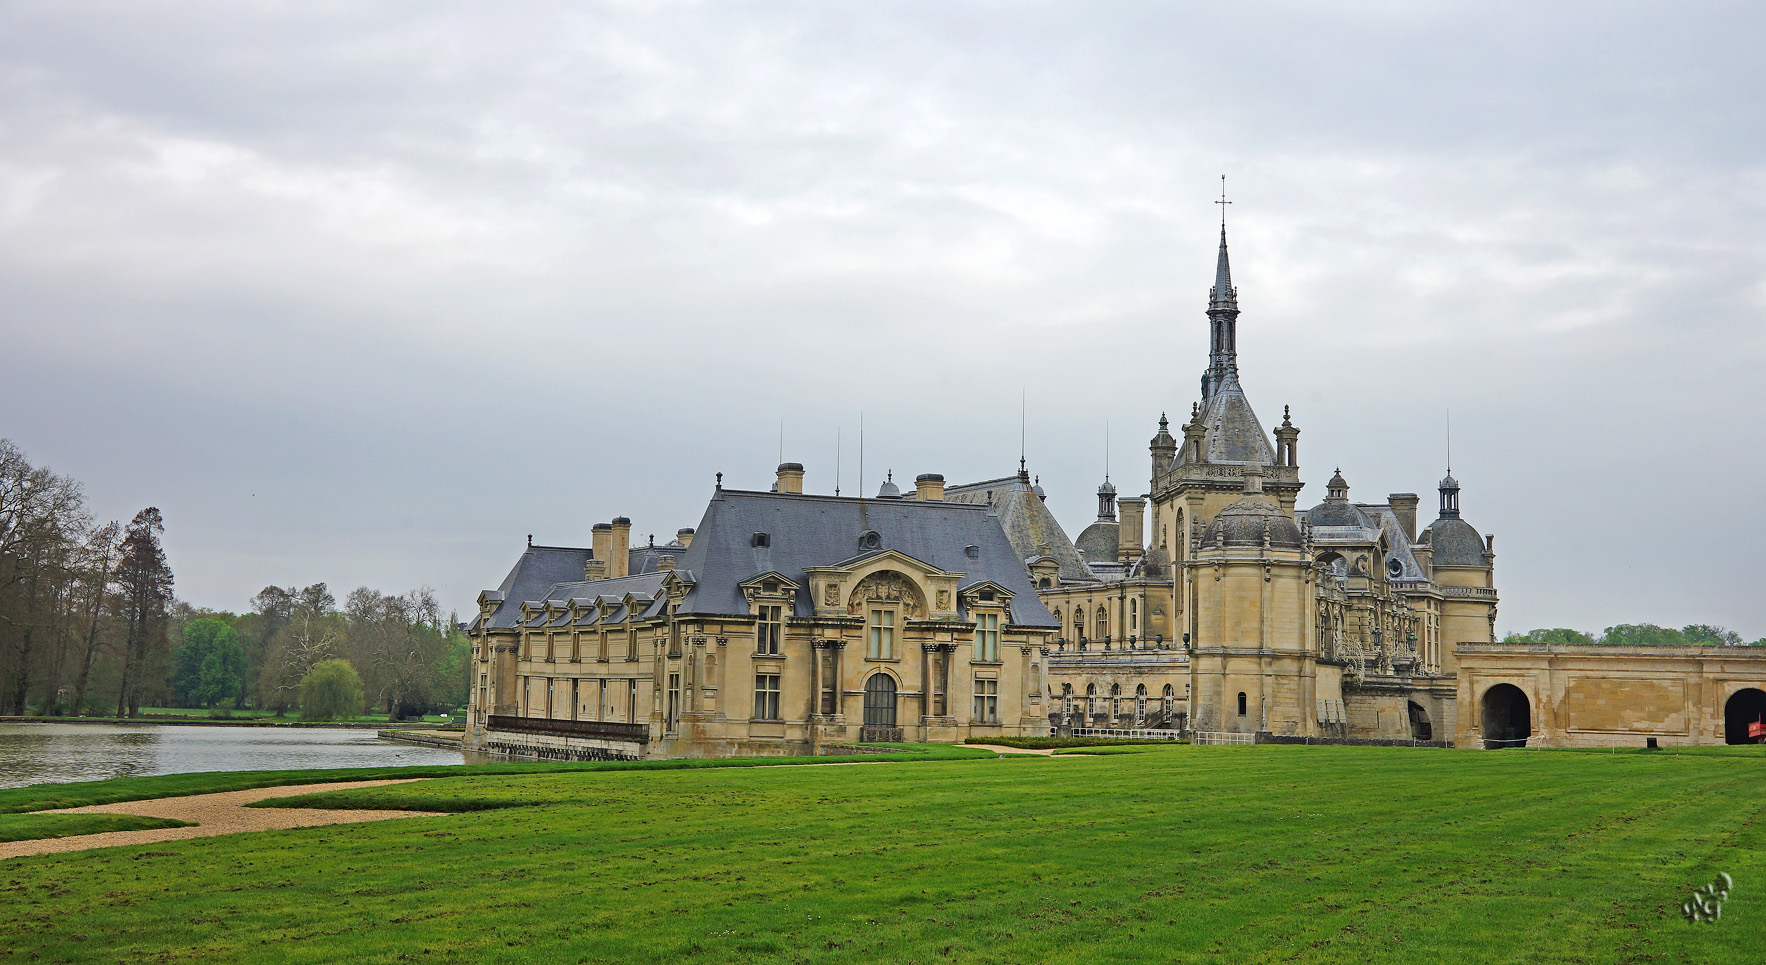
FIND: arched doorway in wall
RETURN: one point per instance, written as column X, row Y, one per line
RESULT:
column 1420, row 728
column 1507, row 718
column 880, row 700
column 1744, row 707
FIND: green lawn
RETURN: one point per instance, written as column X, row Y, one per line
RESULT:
column 1186, row 854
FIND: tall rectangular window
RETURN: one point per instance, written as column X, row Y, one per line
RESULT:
column 632, row 700
column 576, row 696
column 674, row 699
column 771, row 628
column 882, row 644
column 603, row 654
column 987, row 701
column 766, row 696
column 631, row 644
column 987, row 636
column 601, row 703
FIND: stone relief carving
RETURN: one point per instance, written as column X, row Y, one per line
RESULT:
column 943, row 598
column 831, row 595
column 887, row 587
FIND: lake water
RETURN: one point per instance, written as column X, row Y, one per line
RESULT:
column 40, row 753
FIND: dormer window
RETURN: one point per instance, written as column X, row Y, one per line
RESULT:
column 870, row 540
column 987, row 596
column 761, row 539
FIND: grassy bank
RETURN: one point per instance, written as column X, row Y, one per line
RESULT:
column 30, row 827
column 1186, row 854
column 41, row 797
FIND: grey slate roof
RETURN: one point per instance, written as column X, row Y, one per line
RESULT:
column 554, row 574
column 1027, row 521
column 1099, row 542
column 807, row 530
column 644, row 559
column 1234, row 436
column 539, row 569
column 1453, row 542
column 1249, row 521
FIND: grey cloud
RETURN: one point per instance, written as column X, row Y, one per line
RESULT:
column 427, row 279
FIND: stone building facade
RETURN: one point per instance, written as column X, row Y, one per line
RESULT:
column 1216, row 604
column 1541, row 695
column 786, row 624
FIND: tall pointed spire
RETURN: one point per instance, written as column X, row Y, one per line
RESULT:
column 1223, row 316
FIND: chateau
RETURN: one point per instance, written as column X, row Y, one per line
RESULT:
column 1213, row 606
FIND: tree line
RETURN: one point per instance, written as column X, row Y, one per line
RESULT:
column 89, row 624
column 1639, row 635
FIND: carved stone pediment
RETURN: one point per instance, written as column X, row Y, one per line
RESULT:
column 887, row 586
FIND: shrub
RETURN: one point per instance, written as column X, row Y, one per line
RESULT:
column 330, row 690
column 1051, row 743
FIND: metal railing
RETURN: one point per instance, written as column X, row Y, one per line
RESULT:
column 1221, row 737
column 604, row 729
column 879, row 734
column 1131, row 733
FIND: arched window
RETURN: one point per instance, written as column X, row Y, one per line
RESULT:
column 1134, row 616
column 1140, row 701
column 1169, row 693
column 1078, row 623
column 1103, row 623
column 880, row 700
column 1241, row 703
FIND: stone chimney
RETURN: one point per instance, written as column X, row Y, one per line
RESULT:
column 929, row 485
column 1129, row 530
column 684, row 536
column 665, row 563
column 601, row 545
column 790, row 478
column 595, row 570
column 619, row 556
column 1404, row 507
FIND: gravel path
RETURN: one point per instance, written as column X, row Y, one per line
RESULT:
column 223, row 813
column 1002, row 749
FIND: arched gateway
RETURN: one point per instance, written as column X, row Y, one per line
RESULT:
column 1507, row 718
column 1745, row 706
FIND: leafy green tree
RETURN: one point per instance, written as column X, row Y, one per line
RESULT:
column 1706, row 635
column 201, row 637
column 223, row 667
column 1553, row 635
column 1642, row 635
column 330, row 690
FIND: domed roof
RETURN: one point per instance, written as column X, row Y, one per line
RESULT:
column 1340, row 512
column 1245, row 522
column 1337, row 481
column 889, row 490
column 1452, row 542
column 1098, row 542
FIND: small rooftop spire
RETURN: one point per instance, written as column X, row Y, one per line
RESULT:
column 1223, row 314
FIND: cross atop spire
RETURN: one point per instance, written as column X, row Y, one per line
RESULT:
column 1223, row 315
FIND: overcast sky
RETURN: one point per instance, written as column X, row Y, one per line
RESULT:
column 365, row 295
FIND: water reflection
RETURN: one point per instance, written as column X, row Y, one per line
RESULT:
column 39, row 753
